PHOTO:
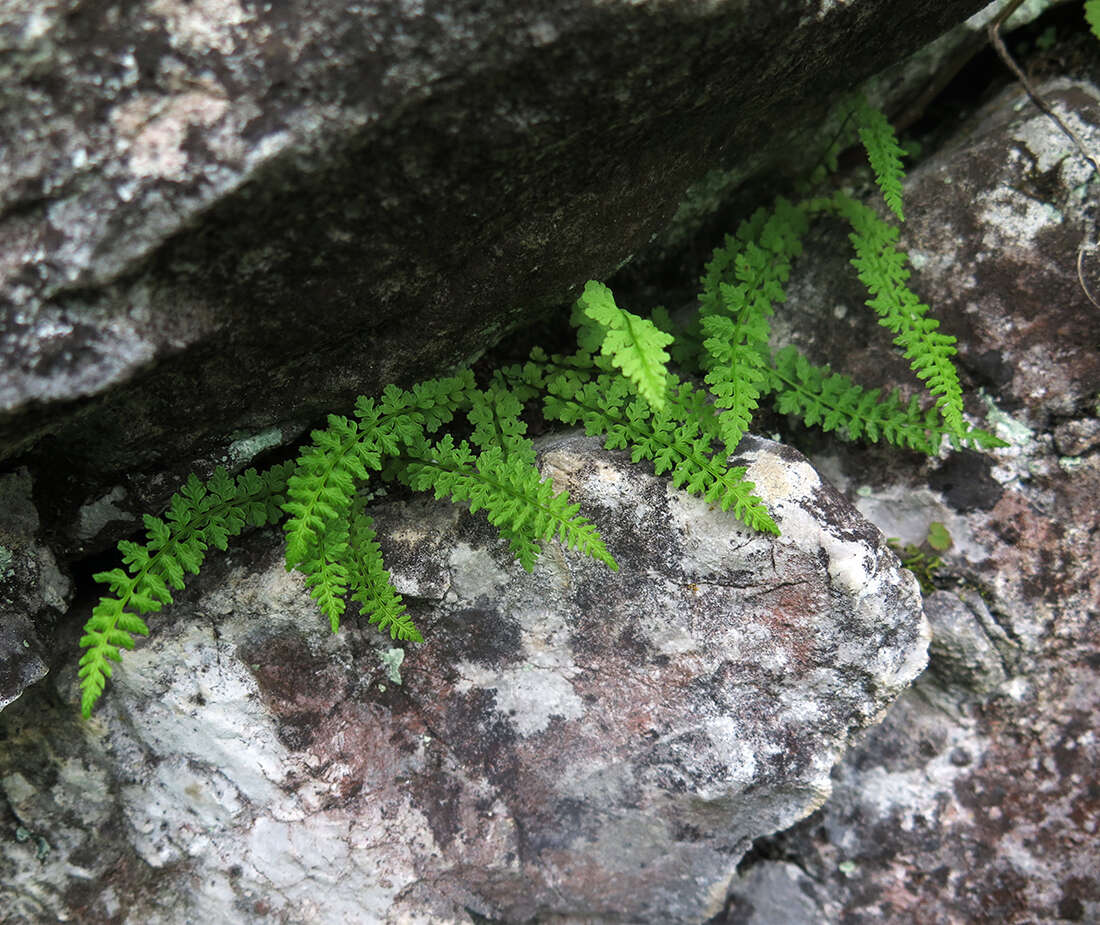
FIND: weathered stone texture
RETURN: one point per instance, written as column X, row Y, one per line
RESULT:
column 33, row 590
column 570, row 743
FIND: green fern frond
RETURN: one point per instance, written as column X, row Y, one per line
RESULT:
column 327, row 573
column 341, row 455
column 881, row 268
column 372, row 586
column 635, row 345
column 1092, row 16
column 495, row 415
column 738, row 374
column 834, row 402
column 883, row 151
column 200, row 515
column 742, row 283
column 516, row 499
column 321, row 489
column 674, row 440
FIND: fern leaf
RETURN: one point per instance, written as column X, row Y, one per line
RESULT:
column 495, row 416
column 516, row 499
column 322, row 485
column 738, row 373
column 1092, row 16
column 743, row 281
column 881, row 268
column 633, row 344
column 322, row 488
column 372, row 587
column 199, row 515
column 327, row 572
column 883, row 151
column 834, row 402
column 675, row 441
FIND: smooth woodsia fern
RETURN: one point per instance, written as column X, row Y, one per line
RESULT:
column 620, row 383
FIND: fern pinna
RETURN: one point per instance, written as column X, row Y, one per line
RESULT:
column 619, row 384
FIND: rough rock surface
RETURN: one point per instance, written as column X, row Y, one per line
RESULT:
column 976, row 799
column 220, row 221
column 33, row 590
column 578, row 743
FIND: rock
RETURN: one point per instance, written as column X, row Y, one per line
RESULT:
column 33, row 590
column 970, row 649
column 572, row 743
column 227, row 220
column 777, row 893
column 1079, row 436
column 975, row 800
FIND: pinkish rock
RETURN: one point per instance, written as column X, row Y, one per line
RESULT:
column 976, row 799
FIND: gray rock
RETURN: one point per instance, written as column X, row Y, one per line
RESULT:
column 969, row 649
column 573, row 743
column 975, row 800
column 223, row 219
column 33, row 590
column 1078, row 436
column 775, row 893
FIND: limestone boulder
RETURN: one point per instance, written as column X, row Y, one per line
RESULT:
column 572, row 743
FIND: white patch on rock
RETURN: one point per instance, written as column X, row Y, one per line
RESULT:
column 777, row 480
column 531, row 694
column 94, row 516
column 529, row 697
column 152, row 130
column 1013, row 219
column 201, row 25
column 242, row 450
column 474, row 573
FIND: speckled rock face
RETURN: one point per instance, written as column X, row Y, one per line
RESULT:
column 572, row 742
column 976, row 799
column 33, row 590
column 220, row 219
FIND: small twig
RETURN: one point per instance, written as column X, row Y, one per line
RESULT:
column 999, row 47
column 1080, row 273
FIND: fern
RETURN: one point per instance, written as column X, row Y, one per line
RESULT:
column 495, row 416
column 329, row 471
column 881, row 268
column 617, row 384
column 742, row 283
column 373, row 590
column 1092, row 16
column 516, row 499
column 883, row 151
column 834, row 402
column 635, row 345
column 200, row 515
column 674, row 440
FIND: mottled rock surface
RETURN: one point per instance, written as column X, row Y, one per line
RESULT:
column 220, row 221
column 33, row 590
column 578, row 743
column 976, row 800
